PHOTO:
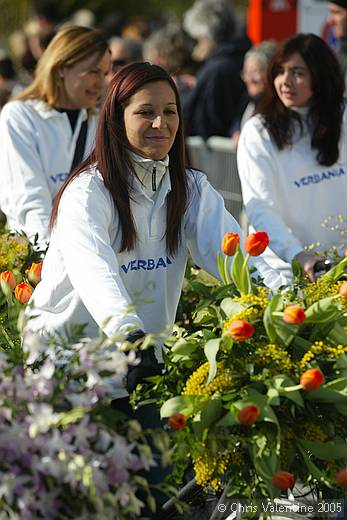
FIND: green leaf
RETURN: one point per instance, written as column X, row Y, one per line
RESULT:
column 275, row 305
column 220, row 264
column 183, row 347
column 273, row 396
column 74, row 415
column 236, row 268
column 324, row 310
column 326, row 395
column 337, row 384
column 312, row 468
column 210, row 412
column 230, row 307
column 211, row 350
column 335, row 273
column 185, row 404
column 326, row 450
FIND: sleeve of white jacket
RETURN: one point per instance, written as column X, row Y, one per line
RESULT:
column 206, row 224
column 84, row 218
column 256, row 162
column 25, row 187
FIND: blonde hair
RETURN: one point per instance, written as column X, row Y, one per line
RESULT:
column 69, row 46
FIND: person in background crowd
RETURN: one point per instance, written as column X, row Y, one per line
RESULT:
column 123, row 51
column 254, row 74
column 50, row 126
column 337, row 20
column 292, row 155
column 7, row 78
column 213, row 104
column 171, row 48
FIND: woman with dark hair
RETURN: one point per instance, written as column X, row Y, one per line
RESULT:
column 123, row 223
column 292, row 156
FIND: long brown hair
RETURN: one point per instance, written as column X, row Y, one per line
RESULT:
column 327, row 105
column 69, row 46
column 112, row 159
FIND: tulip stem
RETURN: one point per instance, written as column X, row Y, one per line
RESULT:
column 226, row 270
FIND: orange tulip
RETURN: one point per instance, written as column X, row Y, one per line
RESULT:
column 23, row 292
column 343, row 290
column 240, row 330
column 256, row 243
column 283, row 480
column 294, row 315
column 8, row 281
column 177, row 421
column 312, row 379
column 230, row 243
column 249, row 414
column 341, row 478
column 34, row 273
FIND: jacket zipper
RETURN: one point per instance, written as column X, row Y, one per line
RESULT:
column 154, row 179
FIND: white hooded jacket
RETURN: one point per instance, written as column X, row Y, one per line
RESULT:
column 37, row 147
column 86, row 280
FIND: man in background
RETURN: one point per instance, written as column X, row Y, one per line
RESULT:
column 337, row 20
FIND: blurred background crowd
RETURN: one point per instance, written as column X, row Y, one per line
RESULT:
column 202, row 47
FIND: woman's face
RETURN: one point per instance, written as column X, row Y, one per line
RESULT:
column 151, row 120
column 293, row 82
column 83, row 82
column 254, row 76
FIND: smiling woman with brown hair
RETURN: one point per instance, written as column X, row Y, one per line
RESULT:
column 292, row 156
column 48, row 128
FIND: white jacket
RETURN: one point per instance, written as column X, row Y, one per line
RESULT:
column 288, row 194
column 86, row 280
column 36, row 152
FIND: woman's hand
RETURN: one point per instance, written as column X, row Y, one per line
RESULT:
column 307, row 262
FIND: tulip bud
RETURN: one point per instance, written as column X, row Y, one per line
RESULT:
column 341, row 478
column 249, row 414
column 240, row 330
column 8, row 282
column 23, row 292
column 34, row 273
column 312, row 379
column 343, row 290
column 283, row 480
column 294, row 315
column 177, row 421
column 230, row 243
column 256, row 243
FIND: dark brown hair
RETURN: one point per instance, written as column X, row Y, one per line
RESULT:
column 112, row 159
column 327, row 105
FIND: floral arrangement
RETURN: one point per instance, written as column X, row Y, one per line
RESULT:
column 258, row 396
column 20, row 272
column 64, row 453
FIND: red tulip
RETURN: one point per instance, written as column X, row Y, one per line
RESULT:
column 249, row 414
column 177, row 421
column 283, row 480
column 341, row 478
column 230, row 243
column 34, row 273
column 256, row 243
column 23, row 292
column 343, row 290
column 240, row 330
column 312, row 379
column 294, row 315
column 8, row 281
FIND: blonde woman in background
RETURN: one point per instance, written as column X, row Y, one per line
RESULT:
column 50, row 126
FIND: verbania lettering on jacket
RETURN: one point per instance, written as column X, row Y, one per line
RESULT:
column 319, row 177
column 59, row 177
column 146, row 265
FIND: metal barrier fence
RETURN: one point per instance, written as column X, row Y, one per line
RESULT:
column 217, row 158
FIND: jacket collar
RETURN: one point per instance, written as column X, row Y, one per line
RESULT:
column 150, row 174
column 46, row 112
